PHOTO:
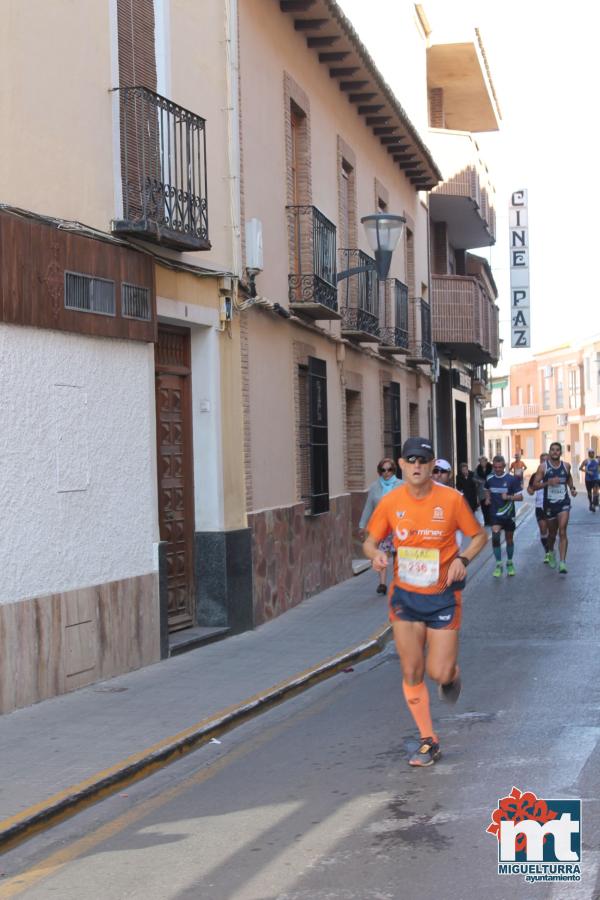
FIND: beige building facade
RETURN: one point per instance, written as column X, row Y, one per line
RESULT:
column 201, row 368
column 337, row 373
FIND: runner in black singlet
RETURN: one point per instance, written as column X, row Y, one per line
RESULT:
column 556, row 478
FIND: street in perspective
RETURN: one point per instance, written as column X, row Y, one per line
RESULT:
column 314, row 798
column 299, row 451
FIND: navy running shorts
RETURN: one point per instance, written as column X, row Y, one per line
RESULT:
column 505, row 524
column 435, row 610
column 552, row 510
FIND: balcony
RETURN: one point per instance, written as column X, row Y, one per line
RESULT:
column 480, row 385
column 465, row 200
column 394, row 338
column 521, row 415
column 421, row 345
column 465, row 318
column 359, row 298
column 163, row 171
column 456, row 65
column 312, row 287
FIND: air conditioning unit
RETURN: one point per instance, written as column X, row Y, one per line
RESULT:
column 562, row 419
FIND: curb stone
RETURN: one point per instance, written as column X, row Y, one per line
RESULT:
column 138, row 766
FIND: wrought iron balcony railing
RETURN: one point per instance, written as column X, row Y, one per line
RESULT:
column 163, row 169
column 395, row 337
column 312, row 287
column 421, row 346
column 359, row 297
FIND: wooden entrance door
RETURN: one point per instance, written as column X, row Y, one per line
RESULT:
column 175, row 481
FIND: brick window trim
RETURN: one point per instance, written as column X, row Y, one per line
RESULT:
column 293, row 94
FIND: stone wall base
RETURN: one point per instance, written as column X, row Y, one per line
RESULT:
column 295, row 556
column 54, row 644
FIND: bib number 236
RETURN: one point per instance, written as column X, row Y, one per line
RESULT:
column 418, row 567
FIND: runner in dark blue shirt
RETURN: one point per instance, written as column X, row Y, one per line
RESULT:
column 591, row 467
column 556, row 478
column 501, row 492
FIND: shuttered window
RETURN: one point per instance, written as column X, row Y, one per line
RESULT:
column 137, row 58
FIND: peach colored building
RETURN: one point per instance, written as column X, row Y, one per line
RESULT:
column 553, row 397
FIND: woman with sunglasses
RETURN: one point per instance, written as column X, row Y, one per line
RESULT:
column 425, row 600
column 387, row 481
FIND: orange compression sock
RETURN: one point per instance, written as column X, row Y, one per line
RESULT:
column 417, row 698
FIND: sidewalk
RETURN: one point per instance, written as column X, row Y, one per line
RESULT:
column 61, row 754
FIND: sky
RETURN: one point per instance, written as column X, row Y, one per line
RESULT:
column 543, row 59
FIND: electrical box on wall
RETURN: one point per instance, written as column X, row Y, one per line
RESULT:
column 226, row 309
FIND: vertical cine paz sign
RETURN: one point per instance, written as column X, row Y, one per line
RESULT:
column 520, row 311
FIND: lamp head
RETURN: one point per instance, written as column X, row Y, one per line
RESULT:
column 383, row 232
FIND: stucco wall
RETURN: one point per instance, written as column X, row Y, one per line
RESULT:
column 58, row 62
column 77, row 442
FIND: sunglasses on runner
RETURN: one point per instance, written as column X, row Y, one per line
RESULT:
column 436, row 470
column 417, row 459
column 387, row 469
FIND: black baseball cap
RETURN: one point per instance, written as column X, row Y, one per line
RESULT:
column 418, row 446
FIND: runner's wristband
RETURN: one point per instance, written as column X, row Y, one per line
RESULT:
column 464, row 560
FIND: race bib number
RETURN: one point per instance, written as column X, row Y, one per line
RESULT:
column 418, row 567
column 556, row 492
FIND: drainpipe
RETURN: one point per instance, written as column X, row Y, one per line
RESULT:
column 231, row 45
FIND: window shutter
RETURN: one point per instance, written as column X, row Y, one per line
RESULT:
column 140, row 162
column 137, row 59
column 319, row 449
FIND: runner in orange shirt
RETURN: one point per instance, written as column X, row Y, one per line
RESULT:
column 424, row 597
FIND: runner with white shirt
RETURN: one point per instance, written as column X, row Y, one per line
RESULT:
column 539, row 509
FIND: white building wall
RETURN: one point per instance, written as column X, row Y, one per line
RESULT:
column 78, row 450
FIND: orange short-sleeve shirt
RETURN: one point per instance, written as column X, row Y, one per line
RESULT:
column 424, row 532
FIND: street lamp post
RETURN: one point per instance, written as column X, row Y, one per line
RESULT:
column 383, row 232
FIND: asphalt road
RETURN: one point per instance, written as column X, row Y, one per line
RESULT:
column 315, row 800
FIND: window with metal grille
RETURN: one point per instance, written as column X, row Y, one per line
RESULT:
column 135, row 302
column 313, row 435
column 86, row 293
column 392, row 430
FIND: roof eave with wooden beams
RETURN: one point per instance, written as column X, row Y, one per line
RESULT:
column 329, row 33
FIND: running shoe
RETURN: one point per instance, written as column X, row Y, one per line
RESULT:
column 510, row 569
column 551, row 560
column 450, row 692
column 592, row 507
column 547, row 558
column 381, row 589
column 562, row 568
column 497, row 573
column 428, row 753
